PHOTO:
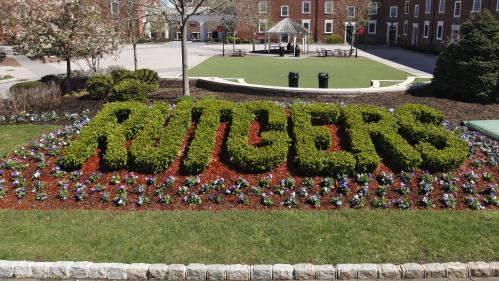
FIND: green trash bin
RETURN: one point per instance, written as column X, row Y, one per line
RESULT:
column 323, row 80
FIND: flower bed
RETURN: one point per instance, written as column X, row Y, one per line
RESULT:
column 214, row 154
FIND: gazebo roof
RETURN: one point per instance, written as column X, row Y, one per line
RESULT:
column 287, row 26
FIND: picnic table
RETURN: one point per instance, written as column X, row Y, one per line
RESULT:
column 239, row 53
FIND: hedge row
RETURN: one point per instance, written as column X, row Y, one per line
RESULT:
column 440, row 149
column 110, row 129
column 311, row 142
column 156, row 147
column 208, row 113
column 274, row 148
column 370, row 127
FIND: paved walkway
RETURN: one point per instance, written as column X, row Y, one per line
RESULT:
column 166, row 60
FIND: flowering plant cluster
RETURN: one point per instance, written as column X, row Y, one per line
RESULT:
column 41, row 117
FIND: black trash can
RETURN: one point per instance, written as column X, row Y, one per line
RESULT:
column 293, row 79
column 281, row 51
column 297, row 51
column 323, row 80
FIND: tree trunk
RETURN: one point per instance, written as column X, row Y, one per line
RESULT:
column 185, row 65
column 253, row 42
column 135, row 63
column 68, row 67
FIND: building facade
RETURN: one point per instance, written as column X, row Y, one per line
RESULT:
column 417, row 24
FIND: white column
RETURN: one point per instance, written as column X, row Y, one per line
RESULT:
column 294, row 44
column 167, row 31
column 202, row 31
column 280, row 40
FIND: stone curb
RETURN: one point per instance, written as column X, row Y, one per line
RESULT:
column 241, row 272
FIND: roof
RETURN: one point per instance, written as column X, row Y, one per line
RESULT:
column 287, row 26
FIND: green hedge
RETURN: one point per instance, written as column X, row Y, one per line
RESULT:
column 99, row 87
column 370, row 127
column 311, row 143
column 110, row 129
column 274, row 149
column 147, row 75
column 131, row 90
column 121, row 74
column 208, row 113
column 156, row 147
column 440, row 149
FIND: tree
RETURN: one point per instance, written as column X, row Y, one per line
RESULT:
column 56, row 27
column 178, row 13
column 357, row 15
column 244, row 16
column 469, row 68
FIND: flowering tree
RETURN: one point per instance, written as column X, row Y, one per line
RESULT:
column 70, row 29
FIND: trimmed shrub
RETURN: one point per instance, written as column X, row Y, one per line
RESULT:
column 440, row 149
column 149, row 76
column 370, row 127
column 469, row 69
column 274, row 149
column 99, row 87
column 156, row 147
column 48, row 79
column 121, row 74
column 131, row 90
column 110, row 129
column 30, row 95
column 311, row 143
column 208, row 113
column 334, row 39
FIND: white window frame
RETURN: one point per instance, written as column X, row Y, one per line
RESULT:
column 115, row 2
column 262, row 21
column 325, row 26
column 497, row 5
column 303, row 7
column 405, row 28
column 457, row 15
column 455, row 27
column 474, row 8
column 406, row 7
column 426, row 29
column 440, row 27
column 348, row 11
column 427, row 8
column 372, row 22
column 373, row 8
column 303, row 24
column 396, row 9
column 416, row 10
column 287, row 11
column 262, row 4
column 326, row 12
column 441, row 6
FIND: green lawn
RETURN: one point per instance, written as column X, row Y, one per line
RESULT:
column 250, row 236
column 343, row 72
column 15, row 136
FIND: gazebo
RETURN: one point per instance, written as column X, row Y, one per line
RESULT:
column 289, row 28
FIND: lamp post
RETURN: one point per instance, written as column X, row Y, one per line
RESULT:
column 223, row 36
column 351, row 34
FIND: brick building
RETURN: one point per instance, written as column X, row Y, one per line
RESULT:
column 418, row 24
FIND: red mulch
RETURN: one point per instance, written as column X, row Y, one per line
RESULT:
column 219, row 167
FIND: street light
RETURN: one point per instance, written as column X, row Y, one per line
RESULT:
column 223, row 36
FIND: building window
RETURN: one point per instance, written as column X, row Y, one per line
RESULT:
column 262, row 7
column 406, row 27
column 441, row 7
column 406, row 8
column 426, row 30
column 497, row 5
column 394, row 11
column 416, row 10
column 328, row 7
column 371, row 26
column 328, row 26
column 262, row 26
column 284, row 11
column 373, row 8
column 455, row 33
column 457, row 9
column 440, row 30
column 428, row 7
column 305, row 24
column 351, row 11
column 477, row 5
column 305, row 7
column 115, row 7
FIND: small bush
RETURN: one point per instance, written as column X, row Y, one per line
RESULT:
column 99, row 87
column 131, row 90
column 34, row 94
column 121, row 74
column 48, row 79
column 149, row 76
column 334, row 39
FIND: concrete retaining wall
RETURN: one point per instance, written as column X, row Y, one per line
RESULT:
column 242, row 272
